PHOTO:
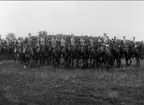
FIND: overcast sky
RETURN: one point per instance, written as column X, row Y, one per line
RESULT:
column 119, row 18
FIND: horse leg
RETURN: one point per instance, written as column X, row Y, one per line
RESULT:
column 117, row 62
column 48, row 60
column 138, row 61
column 69, row 62
column 24, row 62
column 72, row 62
column 127, row 64
column 66, row 63
column 29, row 62
column 106, row 63
column 93, row 64
column 58, row 62
column 36, row 61
column 90, row 62
column 40, row 60
column 44, row 60
column 15, row 59
column 87, row 64
column 77, row 63
column 83, row 63
column 54, row 62
column 97, row 64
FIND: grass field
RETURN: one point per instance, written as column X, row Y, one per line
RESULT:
column 48, row 86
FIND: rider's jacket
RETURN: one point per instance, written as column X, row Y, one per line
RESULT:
column 114, row 41
column 29, row 41
column 42, row 41
column 53, row 42
column 134, row 43
column 63, row 42
column 124, row 42
column 37, row 44
column 99, row 40
column 72, row 41
column 19, row 43
column 105, row 41
column 91, row 42
column 82, row 42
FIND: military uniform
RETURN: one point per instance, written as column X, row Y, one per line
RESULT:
column 91, row 42
column 124, row 42
column 53, row 43
column 134, row 42
column 19, row 43
column 105, row 40
column 72, row 41
column 42, row 41
column 82, row 42
column 99, row 41
column 63, row 42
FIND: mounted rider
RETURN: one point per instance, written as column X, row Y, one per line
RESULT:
column 42, row 41
column 82, row 42
column 37, row 45
column 63, row 43
column 99, row 41
column 105, row 41
column 124, row 42
column 114, row 40
column 53, row 42
column 72, row 40
column 134, row 42
column 91, row 42
column 19, row 42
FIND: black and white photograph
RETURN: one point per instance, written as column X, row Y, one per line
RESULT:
column 71, row 52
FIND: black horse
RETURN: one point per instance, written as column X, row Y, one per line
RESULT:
column 56, row 55
column 117, row 53
column 136, row 52
column 66, row 54
column 85, row 53
column 126, row 52
column 105, row 56
column 94, row 56
column 75, row 55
